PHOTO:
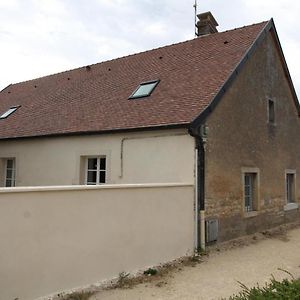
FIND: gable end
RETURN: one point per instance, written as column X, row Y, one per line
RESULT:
column 195, row 125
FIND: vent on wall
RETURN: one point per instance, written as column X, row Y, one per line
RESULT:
column 212, row 228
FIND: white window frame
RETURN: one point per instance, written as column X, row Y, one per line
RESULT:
column 290, row 205
column 98, row 170
column 13, row 169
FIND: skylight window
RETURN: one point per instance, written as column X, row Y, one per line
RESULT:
column 144, row 89
column 9, row 112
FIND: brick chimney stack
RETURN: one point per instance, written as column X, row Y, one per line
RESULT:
column 206, row 24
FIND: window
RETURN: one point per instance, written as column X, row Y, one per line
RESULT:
column 249, row 192
column 271, row 111
column 10, row 172
column 144, row 89
column 95, row 170
column 251, row 183
column 290, row 187
column 9, row 112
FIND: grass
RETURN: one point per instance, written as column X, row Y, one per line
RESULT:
column 286, row 289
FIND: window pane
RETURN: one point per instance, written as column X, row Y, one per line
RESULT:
column 247, row 179
column 144, row 89
column 9, row 183
column 247, row 191
column 102, row 163
column 10, row 164
column 91, row 177
column 9, row 174
column 102, row 177
column 290, row 188
column 8, row 112
column 92, row 163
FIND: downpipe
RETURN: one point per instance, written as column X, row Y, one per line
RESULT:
column 200, row 242
column 201, row 189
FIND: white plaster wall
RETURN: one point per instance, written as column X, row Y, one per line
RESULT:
column 156, row 156
column 60, row 238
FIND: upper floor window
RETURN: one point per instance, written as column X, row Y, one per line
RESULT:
column 95, row 170
column 144, row 89
column 271, row 111
column 10, row 172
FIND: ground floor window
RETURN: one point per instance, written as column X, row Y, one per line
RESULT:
column 290, row 186
column 250, row 189
column 249, row 192
column 10, row 172
column 95, row 170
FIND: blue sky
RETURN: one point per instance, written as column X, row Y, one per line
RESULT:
column 41, row 37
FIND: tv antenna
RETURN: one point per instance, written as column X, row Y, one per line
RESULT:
column 195, row 7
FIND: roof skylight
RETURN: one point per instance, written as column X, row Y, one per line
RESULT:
column 9, row 112
column 144, row 89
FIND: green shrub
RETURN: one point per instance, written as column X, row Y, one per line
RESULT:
column 78, row 296
column 150, row 272
column 287, row 289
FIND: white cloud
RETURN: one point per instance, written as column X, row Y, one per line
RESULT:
column 157, row 28
column 8, row 4
column 39, row 37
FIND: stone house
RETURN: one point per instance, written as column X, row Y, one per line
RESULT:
column 219, row 111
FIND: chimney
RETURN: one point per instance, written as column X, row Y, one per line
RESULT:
column 206, row 24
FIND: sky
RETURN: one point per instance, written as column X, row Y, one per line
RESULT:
column 42, row 37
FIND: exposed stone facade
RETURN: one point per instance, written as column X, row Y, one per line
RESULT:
column 240, row 136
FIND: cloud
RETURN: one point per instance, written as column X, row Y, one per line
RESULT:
column 39, row 37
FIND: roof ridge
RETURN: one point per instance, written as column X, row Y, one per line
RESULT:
column 134, row 54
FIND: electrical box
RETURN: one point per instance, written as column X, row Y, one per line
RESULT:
column 212, row 229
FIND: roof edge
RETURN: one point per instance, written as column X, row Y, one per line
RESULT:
column 285, row 67
column 111, row 60
column 5, row 88
column 100, row 132
column 209, row 109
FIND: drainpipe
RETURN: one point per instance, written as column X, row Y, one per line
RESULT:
column 201, row 189
column 200, row 139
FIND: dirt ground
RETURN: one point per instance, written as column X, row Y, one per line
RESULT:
column 250, row 261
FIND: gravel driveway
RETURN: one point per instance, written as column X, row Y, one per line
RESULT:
column 249, row 261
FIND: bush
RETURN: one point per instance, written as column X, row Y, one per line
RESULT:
column 287, row 289
column 150, row 272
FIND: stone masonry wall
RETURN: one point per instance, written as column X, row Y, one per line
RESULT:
column 240, row 136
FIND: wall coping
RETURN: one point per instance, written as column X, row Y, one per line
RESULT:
column 92, row 187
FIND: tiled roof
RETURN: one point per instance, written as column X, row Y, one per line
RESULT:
column 95, row 99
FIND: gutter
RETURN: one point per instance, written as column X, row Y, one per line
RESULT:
column 200, row 140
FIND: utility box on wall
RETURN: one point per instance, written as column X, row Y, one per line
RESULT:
column 212, row 229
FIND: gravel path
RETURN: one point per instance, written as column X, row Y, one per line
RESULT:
column 217, row 275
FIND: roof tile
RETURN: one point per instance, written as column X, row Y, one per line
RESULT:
column 96, row 99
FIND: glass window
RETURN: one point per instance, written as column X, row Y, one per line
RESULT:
column 145, row 89
column 10, row 173
column 249, row 191
column 290, row 188
column 96, row 170
column 8, row 112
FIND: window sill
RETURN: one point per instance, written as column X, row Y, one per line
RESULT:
column 250, row 214
column 290, row 206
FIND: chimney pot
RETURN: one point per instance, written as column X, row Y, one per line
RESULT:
column 207, row 24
